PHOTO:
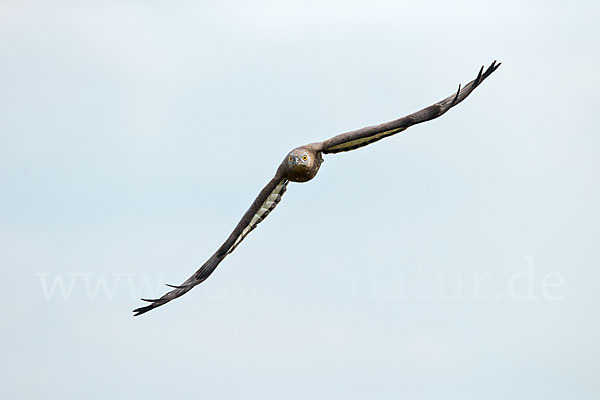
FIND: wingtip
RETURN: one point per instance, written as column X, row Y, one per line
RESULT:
column 138, row 311
column 492, row 68
column 143, row 310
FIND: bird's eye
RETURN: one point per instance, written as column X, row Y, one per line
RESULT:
column 304, row 158
column 291, row 159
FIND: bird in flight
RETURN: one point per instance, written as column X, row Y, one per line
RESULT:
column 301, row 165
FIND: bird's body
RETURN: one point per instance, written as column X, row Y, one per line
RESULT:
column 301, row 165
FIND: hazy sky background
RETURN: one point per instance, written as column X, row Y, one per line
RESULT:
column 458, row 260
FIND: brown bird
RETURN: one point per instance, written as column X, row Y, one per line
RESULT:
column 301, row 165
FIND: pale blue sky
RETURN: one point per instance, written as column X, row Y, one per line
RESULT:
column 458, row 260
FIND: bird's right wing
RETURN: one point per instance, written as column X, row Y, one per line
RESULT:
column 264, row 203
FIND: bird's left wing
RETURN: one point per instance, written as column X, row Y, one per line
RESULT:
column 264, row 203
column 362, row 137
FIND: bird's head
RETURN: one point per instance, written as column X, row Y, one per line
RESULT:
column 302, row 164
column 299, row 159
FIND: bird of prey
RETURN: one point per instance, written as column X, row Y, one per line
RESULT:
column 301, row 165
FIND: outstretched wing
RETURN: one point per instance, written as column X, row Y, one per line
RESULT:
column 362, row 137
column 265, row 202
